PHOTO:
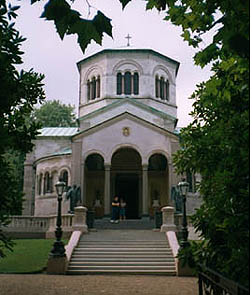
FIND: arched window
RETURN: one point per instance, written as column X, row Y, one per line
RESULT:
column 119, row 84
column 88, row 90
column 127, row 83
column 93, row 88
column 167, row 90
column 40, row 184
column 162, row 88
column 47, row 183
column 98, row 86
column 136, row 83
column 157, row 86
column 64, row 177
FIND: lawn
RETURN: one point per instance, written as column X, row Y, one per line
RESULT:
column 29, row 256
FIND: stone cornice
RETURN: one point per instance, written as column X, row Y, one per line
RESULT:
column 120, row 117
column 133, row 102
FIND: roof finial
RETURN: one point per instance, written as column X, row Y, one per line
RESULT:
column 128, row 37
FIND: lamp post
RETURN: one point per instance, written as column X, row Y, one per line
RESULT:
column 58, row 249
column 183, row 189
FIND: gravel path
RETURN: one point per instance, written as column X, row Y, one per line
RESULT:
column 42, row 284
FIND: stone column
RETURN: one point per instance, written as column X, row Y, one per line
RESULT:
column 107, row 190
column 82, row 184
column 28, row 205
column 76, row 163
column 168, row 219
column 169, row 183
column 145, row 190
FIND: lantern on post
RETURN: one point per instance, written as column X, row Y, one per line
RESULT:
column 58, row 247
column 183, row 190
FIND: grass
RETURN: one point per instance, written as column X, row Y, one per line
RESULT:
column 28, row 256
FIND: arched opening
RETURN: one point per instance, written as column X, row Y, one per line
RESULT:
column 158, row 182
column 119, row 84
column 127, row 83
column 64, row 177
column 136, row 83
column 126, row 172
column 47, row 183
column 94, row 183
column 93, row 88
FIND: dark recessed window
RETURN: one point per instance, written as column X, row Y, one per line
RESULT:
column 136, row 83
column 119, row 84
column 127, row 83
column 88, row 90
column 93, row 88
column 98, row 86
column 161, row 88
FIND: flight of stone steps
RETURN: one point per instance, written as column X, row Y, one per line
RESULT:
column 125, row 224
column 124, row 257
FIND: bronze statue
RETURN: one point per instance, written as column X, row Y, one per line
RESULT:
column 74, row 194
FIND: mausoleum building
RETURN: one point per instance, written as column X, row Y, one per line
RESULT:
column 125, row 139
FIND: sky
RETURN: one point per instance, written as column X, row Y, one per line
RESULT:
column 56, row 59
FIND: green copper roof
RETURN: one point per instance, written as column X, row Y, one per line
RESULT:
column 58, row 131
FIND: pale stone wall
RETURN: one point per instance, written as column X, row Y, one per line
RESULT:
column 109, row 138
column 46, row 203
column 108, row 64
column 50, row 145
column 148, row 115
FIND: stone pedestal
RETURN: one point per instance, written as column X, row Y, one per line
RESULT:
column 79, row 219
column 184, row 270
column 57, row 265
column 168, row 219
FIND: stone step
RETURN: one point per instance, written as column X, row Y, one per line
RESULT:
column 120, row 263
column 136, row 249
column 121, row 267
column 124, row 271
column 84, row 241
column 136, row 224
column 121, row 255
column 122, row 259
column 83, row 246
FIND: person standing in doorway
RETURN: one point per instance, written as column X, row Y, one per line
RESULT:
column 115, row 210
column 122, row 209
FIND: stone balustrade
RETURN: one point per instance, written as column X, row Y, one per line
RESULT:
column 38, row 226
column 28, row 223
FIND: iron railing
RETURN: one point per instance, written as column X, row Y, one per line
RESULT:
column 213, row 283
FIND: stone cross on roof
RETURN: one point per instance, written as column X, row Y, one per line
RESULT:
column 128, row 37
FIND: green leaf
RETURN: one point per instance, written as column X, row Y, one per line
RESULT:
column 102, row 24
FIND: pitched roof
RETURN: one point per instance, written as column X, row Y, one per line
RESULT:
column 58, row 131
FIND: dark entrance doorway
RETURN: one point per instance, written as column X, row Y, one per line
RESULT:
column 127, row 187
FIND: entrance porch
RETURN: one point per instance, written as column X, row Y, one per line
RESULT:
column 144, row 187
